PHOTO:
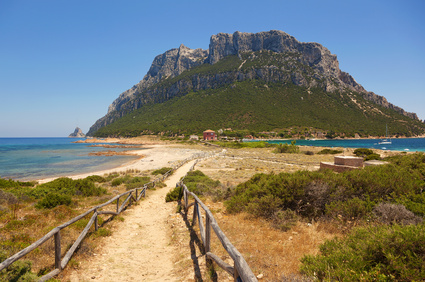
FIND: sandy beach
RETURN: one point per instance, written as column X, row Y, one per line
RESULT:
column 154, row 156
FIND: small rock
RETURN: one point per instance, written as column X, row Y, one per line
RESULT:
column 260, row 276
column 290, row 238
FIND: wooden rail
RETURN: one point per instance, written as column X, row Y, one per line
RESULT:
column 240, row 269
column 132, row 195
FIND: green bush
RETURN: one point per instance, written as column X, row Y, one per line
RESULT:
column 137, row 182
column 350, row 195
column 84, row 187
column 363, row 152
column 329, row 152
column 163, row 171
column 52, row 200
column 174, row 195
column 18, row 271
column 96, row 178
column 197, row 182
column 376, row 253
column 120, row 180
column 285, row 148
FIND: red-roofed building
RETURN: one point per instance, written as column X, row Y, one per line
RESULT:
column 210, row 135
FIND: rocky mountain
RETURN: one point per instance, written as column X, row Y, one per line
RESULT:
column 77, row 133
column 271, row 57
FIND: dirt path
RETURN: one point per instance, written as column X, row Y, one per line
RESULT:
column 140, row 248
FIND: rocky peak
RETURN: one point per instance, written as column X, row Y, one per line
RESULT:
column 167, row 65
column 77, row 133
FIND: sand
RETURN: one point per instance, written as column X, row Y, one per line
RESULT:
column 152, row 157
column 140, row 248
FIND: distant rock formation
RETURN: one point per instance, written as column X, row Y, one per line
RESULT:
column 78, row 133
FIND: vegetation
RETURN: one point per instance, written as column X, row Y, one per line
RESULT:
column 163, row 171
column 286, row 148
column 256, row 105
column 200, row 184
column 387, row 202
column 373, row 253
column 351, row 195
column 329, row 151
column 28, row 211
column 367, row 154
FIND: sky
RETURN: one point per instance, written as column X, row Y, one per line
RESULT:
column 62, row 63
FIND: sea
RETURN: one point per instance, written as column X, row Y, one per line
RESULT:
column 27, row 159
column 397, row 144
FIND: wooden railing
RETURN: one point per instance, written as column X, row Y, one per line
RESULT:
column 240, row 270
column 132, row 195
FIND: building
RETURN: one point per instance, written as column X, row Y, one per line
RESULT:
column 194, row 137
column 210, row 135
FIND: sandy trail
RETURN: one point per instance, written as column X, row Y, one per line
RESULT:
column 140, row 248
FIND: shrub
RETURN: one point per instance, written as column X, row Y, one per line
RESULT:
column 197, row 182
column 329, row 152
column 52, row 200
column 163, row 171
column 372, row 253
column 354, row 208
column 285, row 148
column 96, row 178
column 18, row 271
column 120, row 180
column 395, row 214
column 363, row 152
column 174, row 195
column 137, row 182
column 284, row 220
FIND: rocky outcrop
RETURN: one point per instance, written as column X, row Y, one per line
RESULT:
column 77, row 133
column 307, row 65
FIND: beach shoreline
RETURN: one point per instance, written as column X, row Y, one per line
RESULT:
column 153, row 157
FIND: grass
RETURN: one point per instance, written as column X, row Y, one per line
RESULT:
column 22, row 224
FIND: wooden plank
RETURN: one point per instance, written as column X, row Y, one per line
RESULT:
column 80, row 238
column 108, row 212
column 58, row 250
column 201, row 224
column 228, row 268
column 50, row 275
column 123, row 204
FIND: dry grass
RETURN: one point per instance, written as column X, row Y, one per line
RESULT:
column 269, row 252
column 30, row 224
column 239, row 165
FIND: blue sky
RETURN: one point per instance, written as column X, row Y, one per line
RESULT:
column 62, row 63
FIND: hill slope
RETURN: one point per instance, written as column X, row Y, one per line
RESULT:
column 225, row 88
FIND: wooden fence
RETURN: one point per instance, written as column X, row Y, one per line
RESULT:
column 60, row 263
column 240, row 270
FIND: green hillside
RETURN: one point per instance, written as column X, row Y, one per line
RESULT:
column 256, row 106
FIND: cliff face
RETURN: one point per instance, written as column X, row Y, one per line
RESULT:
column 303, row 64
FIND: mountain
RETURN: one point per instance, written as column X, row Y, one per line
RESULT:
column 77, row 133
column 238, row 68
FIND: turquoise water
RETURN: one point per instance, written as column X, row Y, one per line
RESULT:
column 37, row 158
column 398, row 144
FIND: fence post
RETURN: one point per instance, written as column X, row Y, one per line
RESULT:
column 58, row 250
column 207, row 233
column 96, row 226
column 118, row 205
column 195, row 212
